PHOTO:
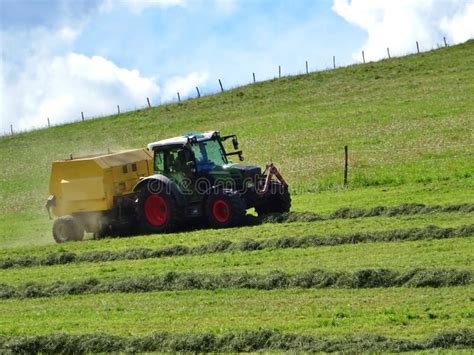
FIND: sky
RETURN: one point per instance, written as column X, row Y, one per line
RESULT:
column 63, row 57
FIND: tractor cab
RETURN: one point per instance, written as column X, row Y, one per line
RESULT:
column 192, row 156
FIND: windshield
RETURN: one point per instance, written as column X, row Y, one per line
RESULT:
column 209, row 153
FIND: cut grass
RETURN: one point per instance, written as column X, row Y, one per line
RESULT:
column 449, row 253
column 396, row 312
column 264, row 339
column 406, row 209
column 275, row 279
column 223, row 246
column 265, row 231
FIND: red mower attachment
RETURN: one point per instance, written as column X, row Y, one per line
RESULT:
column 271, row 171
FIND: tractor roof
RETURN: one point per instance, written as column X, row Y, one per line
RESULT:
column 182, row 140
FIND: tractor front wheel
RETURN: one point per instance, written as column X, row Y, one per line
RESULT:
column 225, row 210
column 157, row 212
column 67, row 228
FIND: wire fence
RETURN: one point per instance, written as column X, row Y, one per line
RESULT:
column 220, row 89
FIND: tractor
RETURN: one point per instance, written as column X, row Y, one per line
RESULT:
column 192, row 178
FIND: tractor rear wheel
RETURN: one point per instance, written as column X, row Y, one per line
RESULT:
column 158, row 212
column 225, row 210
column 67, row 228
column 278, row 200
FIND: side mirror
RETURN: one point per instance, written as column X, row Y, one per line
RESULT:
column 235, row 143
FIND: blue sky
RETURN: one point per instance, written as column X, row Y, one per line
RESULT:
column 59, row 58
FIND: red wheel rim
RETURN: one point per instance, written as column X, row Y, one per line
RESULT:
column 221, row 211
column 156, row 210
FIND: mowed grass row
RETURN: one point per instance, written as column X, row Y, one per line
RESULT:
column 264, row 231
column 314, row 278
column 395, row 312
column 246, row 341
column 399, row 256
column 246, row 245
column 235, row 342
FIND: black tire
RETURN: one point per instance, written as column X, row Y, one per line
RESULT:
column 66, row 229
column 158, row 212
column 225, row 209
column 277, row 200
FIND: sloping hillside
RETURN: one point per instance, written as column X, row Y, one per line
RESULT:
column 384, row 264
column 406, row 120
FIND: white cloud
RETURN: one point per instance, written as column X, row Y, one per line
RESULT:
column 46, row 78
column 399, row 24
column 460, row 26
column 72, row 83
column 185, row 85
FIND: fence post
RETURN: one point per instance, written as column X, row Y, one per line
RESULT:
column 307, row 67
column 11, row 129
column 197, row 89
column 388, row 52
column 417, row 47
column 279, row 71
column 220, row 83
column 148, row 100
column 445, row 43
column 346, row 154
column 82, row 115
column 49, row 125
column 118, row 109
column 253, row 78
column 334, row 61
column 179, row 97
column 363, row 57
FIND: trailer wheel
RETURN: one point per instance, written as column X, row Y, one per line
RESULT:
column 278, row 200
column 158, row 212
column 67, row 228
column 225, row 210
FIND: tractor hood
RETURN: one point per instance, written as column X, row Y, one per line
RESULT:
column 245, row 170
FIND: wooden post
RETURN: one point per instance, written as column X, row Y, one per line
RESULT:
column 82, row 115
column 388, row 52
column 346, row 156
column 11, row 129
column 279, row 71
column 148, row 100
column 179, row 97
column 307, row 67
column 334, row 61
column 49, row 125
column 363, row 57
column 197, row 89
column 417, row 47
column 118, row 110
column 445, row 43
column 253, row 78
column 220, row 83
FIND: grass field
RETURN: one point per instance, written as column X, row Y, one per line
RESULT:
column 409, row 125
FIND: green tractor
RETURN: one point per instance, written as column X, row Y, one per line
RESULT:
column 193, row 178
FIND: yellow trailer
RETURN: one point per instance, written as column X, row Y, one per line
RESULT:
column 90, row 193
